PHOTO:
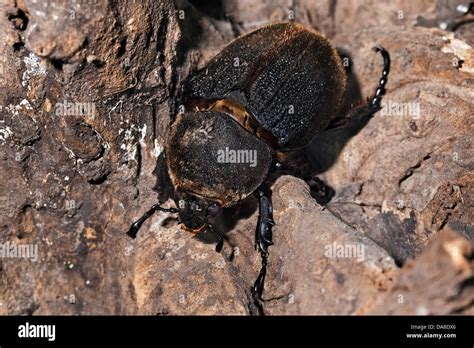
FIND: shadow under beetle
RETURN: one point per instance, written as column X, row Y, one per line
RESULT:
column 269, row 91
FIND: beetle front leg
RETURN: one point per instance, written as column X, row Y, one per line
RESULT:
column 220, row 238
column 132, row 232
column 263, row 239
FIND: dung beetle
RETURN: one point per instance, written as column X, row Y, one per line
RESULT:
column 266, row 93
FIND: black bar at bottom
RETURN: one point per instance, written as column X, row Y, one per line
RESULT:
column 420, row 330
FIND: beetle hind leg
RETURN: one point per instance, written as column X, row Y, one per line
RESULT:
column 380, row 91
column 263, row 239
column 465, row 17
column 374, row 104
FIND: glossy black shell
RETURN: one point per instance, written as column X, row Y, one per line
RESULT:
column 286, row 75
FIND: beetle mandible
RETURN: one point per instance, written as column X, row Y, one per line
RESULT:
column 267, row 92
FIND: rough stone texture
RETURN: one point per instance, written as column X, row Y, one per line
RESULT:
column 72, row 184
column 434, row 283
column 311, row 274
column 389, row 176
column 186, row 275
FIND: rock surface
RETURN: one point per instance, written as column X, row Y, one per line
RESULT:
column 436, row 283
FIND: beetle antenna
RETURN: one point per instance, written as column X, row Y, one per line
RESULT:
column 132, row 232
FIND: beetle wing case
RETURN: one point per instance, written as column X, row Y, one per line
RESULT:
column 288, row 76
column 211, row 155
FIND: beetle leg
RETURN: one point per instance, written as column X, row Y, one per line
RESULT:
column 380, row 91
column 132, row 232
column 220, row 238
column 374, row 104
column 234, row 25
column 263, row 239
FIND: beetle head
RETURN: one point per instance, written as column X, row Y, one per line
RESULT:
column 195, row 212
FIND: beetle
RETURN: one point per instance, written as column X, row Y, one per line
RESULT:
column 266, row 93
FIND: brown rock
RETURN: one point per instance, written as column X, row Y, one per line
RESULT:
column 438, row 282
column 319, row 265
column 72, row 183
column 387, row 175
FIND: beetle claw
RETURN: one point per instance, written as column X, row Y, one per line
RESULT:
column 270, row 221
column 219, row 246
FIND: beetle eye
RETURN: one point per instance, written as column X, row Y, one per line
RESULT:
column 214, row 209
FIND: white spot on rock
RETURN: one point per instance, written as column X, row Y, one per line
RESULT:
column 34, row 67
column 157, row 149
column 5, row 133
